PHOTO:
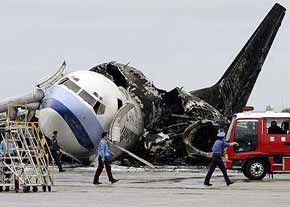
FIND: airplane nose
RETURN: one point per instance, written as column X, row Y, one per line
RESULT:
column 50, row 121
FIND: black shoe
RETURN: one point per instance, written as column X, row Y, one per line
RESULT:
column 114, row 181
column 208, row 184
column 62, row 171
column 231, row 182
column 97, row 183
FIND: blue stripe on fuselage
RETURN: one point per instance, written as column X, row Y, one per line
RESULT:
column 79, row 109
column 72, row 121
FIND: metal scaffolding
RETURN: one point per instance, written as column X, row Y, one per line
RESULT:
column 25, row 158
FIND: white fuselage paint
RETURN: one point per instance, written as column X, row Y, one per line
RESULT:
column 79, row 126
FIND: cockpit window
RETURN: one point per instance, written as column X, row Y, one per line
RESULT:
column 102, row 109
column 120, row 103
column 72, row 86
column 87, row 97
column 99, row 108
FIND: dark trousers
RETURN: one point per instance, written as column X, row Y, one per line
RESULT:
column 100, row 169
column 57, row 159
column 217, row 161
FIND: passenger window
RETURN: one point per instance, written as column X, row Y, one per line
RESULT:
column 96, row 94
column 72, row 86
column 277, row 126
column 75, row 78
column 62, row 81
column 246, row 134
column 96, row 107
column 87, row 97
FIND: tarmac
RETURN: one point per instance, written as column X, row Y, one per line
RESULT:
column 169, row 186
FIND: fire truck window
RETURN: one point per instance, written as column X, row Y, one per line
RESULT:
column 246, row 134
column 285, row 127
column 278, row 126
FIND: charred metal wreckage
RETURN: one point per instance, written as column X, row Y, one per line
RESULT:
column 178, row 123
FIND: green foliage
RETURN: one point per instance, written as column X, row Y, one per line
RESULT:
column 269, row 108
column 286, row 110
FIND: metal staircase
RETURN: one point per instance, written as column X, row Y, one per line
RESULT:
column 25, row 161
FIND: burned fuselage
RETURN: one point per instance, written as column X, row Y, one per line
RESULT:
column 178, row 123
column 166, row 114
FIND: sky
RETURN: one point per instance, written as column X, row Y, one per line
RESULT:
column 174, row 43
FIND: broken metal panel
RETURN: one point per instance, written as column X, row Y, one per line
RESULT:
column 166, row 114
column 180, row 110
column 51, row 80
column 231, row 93
column 180, row 102
column 138, row 86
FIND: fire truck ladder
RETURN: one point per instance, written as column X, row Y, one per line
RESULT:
column 26, row 160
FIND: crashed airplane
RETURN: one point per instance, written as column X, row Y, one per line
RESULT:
column 158, row 125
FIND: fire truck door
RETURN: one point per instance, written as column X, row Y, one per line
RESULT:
column 286, row 164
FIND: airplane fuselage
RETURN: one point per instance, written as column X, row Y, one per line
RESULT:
column 80, row 107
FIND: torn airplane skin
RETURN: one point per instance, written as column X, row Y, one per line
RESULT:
column 177, row 121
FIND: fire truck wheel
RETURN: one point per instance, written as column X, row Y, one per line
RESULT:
column 256, row 170
column 245, row 172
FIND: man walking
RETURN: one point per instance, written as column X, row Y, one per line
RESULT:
column 218, row 150
column 104, row 153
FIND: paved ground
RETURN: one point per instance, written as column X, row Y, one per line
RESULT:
column 167, row 187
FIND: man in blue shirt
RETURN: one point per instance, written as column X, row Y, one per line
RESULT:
column 218, row 150
column 104, row 154
column 7, row 145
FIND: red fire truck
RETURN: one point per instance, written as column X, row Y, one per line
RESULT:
column 264, row 144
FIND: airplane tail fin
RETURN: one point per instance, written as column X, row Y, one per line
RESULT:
column 231, row 93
